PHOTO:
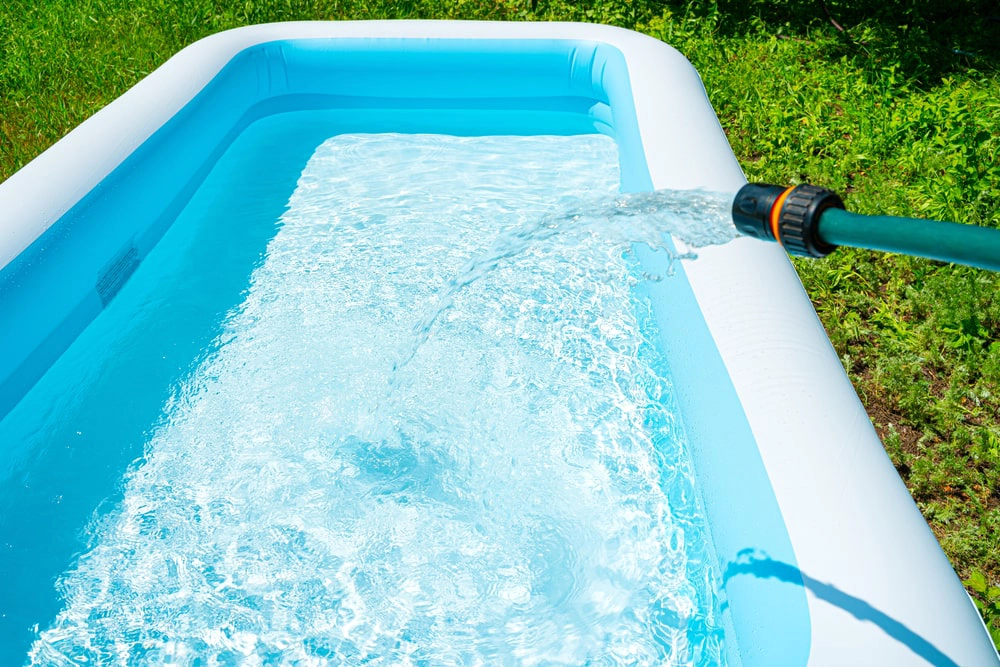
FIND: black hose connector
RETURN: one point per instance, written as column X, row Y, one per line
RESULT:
column 789, row 216
column 752, row 209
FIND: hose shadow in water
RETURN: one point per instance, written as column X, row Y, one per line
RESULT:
column 752, row 562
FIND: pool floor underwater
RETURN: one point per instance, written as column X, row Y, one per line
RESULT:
column 224, row 468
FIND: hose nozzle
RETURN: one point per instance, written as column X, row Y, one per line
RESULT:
column 789, row 216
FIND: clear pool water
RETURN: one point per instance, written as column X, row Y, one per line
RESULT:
column 231, row 477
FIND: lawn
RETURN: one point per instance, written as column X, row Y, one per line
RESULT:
column 894, row 104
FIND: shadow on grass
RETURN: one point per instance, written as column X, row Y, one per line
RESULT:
column 924, row 39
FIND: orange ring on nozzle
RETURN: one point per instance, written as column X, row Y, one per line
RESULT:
column 775, row 215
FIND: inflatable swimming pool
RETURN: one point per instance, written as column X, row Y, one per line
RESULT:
column 821, row 556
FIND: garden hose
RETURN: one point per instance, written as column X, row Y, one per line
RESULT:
column 810, row 221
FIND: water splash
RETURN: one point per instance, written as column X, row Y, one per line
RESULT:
column 697, row 217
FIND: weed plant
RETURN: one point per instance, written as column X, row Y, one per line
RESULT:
column 893, row 103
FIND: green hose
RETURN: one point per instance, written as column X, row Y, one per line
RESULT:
column 811, row 222
column 944, row 241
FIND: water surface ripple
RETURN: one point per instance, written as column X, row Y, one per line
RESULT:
column 524, row 498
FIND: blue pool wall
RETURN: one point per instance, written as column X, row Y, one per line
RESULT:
column 460, row 87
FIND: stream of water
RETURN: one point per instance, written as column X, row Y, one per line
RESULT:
column 695, row 217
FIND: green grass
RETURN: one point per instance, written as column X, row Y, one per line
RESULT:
column 898, row 109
